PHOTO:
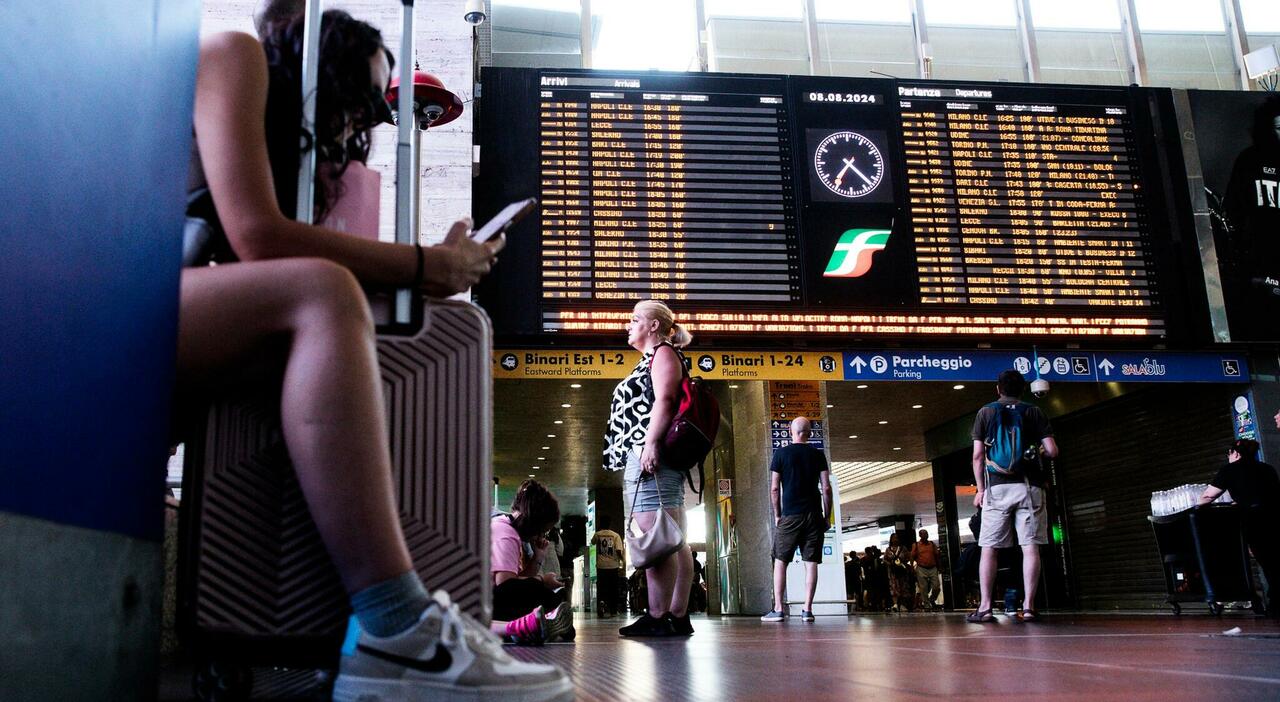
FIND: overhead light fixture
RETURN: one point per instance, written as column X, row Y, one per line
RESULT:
column 566, row 405
column 883, row 421
column 534, row 467
column 551, row 436
column 558, row 421
column 916, row 406
column 531, row 475
column 897, row 448
column 853, row 436
column 542, row 458
column 957, row 387
column 862, row 386
column 575, row 386
column 830, row 406
column 546, row 448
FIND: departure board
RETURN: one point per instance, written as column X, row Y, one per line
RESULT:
column 1024, row 203
column 791, row 206
column 681, row 195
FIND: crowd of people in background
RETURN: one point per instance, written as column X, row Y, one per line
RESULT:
column 895, row 580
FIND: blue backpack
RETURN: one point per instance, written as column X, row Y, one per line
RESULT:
column 1005, row 442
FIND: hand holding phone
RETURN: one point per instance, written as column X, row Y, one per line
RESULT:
column 503, row 220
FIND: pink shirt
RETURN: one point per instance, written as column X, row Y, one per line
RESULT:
column 505, row 546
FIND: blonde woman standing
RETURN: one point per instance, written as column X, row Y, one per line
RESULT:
column 644, row 404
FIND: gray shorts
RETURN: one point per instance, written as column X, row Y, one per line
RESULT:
column 670, row 480
column 1010, row 507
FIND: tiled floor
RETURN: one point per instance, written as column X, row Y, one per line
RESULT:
column 918, row 657
column 930, row 657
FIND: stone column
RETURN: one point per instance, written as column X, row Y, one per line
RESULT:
column 752, row 511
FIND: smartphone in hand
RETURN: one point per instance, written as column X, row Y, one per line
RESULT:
column 503, row 220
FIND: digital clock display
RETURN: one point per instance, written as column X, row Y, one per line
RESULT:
column 850, row 98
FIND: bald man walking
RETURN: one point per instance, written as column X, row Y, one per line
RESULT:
column 800, row 514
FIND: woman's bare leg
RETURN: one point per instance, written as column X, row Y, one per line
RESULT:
column 682, row 564
column 331, row 405
column 660, row 577
column 668, row 577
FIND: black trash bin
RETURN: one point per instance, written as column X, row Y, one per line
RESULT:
column 1204, row 557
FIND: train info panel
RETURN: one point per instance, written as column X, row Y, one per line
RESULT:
column 797, row 205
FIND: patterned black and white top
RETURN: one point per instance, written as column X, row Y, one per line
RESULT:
column 629, row 414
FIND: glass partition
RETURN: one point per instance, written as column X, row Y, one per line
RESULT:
column 537, row 33
column 652, row 35
column 1080, row 42
column 756, row 36
column 863, row 38
column 1186, row 44
column 974, row 40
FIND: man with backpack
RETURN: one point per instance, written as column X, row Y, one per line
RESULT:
column 800, row 488
column 1009, row 436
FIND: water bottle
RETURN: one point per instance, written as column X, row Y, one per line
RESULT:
column 1010, row 600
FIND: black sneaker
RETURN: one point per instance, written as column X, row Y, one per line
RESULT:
column 647, row 626
column 680, row 626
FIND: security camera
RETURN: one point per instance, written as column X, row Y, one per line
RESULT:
column 1039, row 387
column 473, row 12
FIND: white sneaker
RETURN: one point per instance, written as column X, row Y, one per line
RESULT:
column 446, row 656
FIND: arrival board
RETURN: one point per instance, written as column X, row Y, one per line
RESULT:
column 792, row 206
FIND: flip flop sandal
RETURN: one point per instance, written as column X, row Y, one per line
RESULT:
column 980, row 617
column 1028, row 615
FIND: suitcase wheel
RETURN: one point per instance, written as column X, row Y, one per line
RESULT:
column 220, row 681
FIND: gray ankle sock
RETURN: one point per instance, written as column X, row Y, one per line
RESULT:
column 391, row 606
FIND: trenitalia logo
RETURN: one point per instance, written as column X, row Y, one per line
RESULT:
column 852, row 257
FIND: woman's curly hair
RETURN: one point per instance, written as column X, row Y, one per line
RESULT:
column 345, row 100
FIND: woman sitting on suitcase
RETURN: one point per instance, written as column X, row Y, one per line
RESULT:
column 294, row 297
column 528, row 607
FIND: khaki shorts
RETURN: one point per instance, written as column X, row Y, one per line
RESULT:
column 1013, row 506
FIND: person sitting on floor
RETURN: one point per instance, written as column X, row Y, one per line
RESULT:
column 528, row 605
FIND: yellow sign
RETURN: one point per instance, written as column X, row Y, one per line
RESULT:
column 766, row 365
column 561, row 364
column 788, row 400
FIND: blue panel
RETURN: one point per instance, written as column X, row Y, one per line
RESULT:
column 1069, row 366
column 96, row 99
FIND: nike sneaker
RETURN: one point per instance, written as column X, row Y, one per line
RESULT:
column 446, row 657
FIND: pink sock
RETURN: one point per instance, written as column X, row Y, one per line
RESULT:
column 526, row 629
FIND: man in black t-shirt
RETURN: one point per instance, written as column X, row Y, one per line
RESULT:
column 1255, row 488
column 800, row 514
column 1252, row 204
column 1014, row 500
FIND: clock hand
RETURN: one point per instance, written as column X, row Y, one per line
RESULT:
column 840, row 176
column 848, row 163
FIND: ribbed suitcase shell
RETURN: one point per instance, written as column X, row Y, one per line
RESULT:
column 257, row 584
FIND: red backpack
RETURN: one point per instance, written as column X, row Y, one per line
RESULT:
column 693, row 428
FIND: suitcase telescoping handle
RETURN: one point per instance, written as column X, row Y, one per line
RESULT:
column 406, row 162
column 406, row 148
